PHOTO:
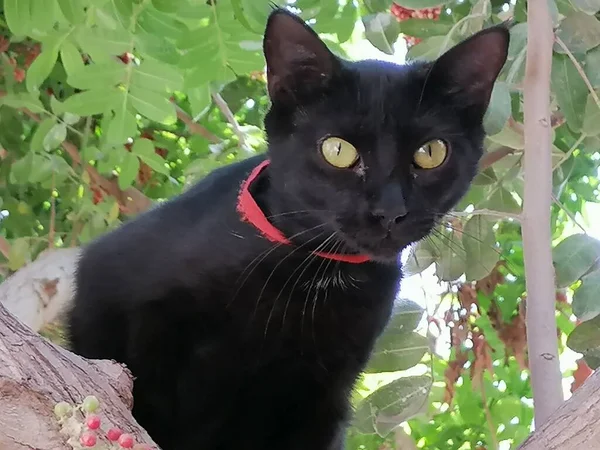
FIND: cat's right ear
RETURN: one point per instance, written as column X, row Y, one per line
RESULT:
column 298, row 62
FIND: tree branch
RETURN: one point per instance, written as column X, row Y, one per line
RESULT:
column 541, row 323
column 196, row 128
column 224, row 108
column 574, row 425
column 36, row 374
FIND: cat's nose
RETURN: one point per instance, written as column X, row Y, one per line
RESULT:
column 390, row 207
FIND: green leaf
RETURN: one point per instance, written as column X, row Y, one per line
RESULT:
column 19, row 254
column 452, row 261
column 156, row 76
column 481, row 12
column 144, row 148
column 479, row 241
column 570, row 91
column 71, row 58
column 346, row 23
column 485, row 177
column 499, row 109
column 585, row 338
column 502, row 200
column 155, row 22
column 23, row 100
column 20, row 169
column 428, row 49
column 55, row 137
column 579, row 31
column 406, row 316
column 94, row 101
column 419, row 4
column 129, row 170
column 401, row 399
column 573, row 257
column 73, row 10
column 592, row 67
column 102, row 43
column 420, row 258
column 37, row 140
column 155, row 47
column 166, row 6
column 43, row 15
column 423, row 28
column 152, row 105
column 200, row 100
column 587, row 6
column 586, row 301
column 397, row 351
column 509, row 137
column 91, row 76
column 591, row 117
column 121, row 127
column 382, row 30
column 41, row 68
column 18, row 16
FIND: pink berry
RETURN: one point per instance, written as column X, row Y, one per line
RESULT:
column 126, row 440
column 114, row 434
column 88, row 439
column 93, row 421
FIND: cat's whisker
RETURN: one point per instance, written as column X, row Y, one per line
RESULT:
column 306, row 263
column 294, row 250
column 299, row 211
column 261, row 257
column 308, row 258
column 330, row 239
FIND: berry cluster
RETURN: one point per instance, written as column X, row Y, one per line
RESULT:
column 83, row 426
column 20, row 56
column 401, row 13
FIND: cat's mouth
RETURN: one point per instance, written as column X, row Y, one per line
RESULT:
column 383, row 244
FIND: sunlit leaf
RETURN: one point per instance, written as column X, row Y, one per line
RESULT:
column 573, row 257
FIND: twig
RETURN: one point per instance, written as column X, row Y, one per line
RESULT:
column 196, row 128
column 579, row 70
column 567, row 155
column 51, row 231
column 494, row 156
column 224, row 108
column 568, row 213
column 542, row 340
column 487, row 212
column 4, row 247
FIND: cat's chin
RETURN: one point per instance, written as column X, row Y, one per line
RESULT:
column 386, row 250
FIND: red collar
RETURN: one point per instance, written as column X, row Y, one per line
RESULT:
column 251, row 212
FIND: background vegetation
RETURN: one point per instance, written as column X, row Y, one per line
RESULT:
column 108, row 106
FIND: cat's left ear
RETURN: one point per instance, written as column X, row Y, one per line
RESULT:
column 471, row 67
column 298, row 62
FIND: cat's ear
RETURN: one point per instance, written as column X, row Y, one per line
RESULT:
column 471, row 67
column 298, row 62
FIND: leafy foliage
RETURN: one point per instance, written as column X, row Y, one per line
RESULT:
column 108, row 106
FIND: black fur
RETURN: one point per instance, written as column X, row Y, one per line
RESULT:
column 239, row 343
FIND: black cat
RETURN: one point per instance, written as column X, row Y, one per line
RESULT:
column 247, row 307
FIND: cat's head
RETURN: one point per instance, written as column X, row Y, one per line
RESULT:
column 378, row 151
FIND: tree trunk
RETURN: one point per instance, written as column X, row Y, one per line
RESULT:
column 36, row 374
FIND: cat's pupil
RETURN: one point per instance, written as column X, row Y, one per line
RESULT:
column 339, row 148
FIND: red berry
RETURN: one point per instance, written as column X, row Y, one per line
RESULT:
column 93, row 422
column 88, row 439
column 114, row 434
column 126, row 440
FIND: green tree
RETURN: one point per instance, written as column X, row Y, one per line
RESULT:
column 110, row 106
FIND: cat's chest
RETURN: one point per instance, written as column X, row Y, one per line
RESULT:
column 327, row 314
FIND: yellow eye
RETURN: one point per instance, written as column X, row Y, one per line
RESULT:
column 338, row 152
column 431, row 155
